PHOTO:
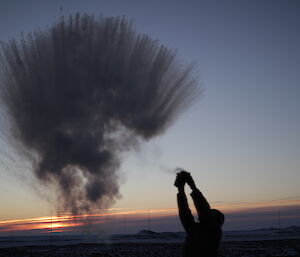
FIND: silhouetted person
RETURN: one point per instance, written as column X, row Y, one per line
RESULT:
column 203, row 237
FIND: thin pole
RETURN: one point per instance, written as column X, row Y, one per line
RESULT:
column 124, row 224
column 279, row 221
column 149, row 227
column 51, row 229
column 12, row 236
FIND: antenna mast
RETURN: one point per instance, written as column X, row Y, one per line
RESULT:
column 149, row 227
column 51, row 228
column 124, row 224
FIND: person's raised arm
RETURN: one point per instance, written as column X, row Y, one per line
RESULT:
column 185, row 214
column 201, row 204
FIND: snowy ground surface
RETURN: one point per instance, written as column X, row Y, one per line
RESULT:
column 256, row 243
column 269, row 248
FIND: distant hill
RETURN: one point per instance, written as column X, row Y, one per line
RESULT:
column 292, row 232
column 147, row 236
column 244, row 235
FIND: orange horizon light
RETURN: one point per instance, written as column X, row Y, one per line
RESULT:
column 69, row 222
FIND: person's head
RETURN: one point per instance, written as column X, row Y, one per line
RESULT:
column 219, row 216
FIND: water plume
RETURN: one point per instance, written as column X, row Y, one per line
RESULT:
column 84, row 90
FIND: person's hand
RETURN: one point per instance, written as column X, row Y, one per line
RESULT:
column 189, row 180
column 180, row 180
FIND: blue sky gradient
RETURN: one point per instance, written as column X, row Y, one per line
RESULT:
column 240, row 140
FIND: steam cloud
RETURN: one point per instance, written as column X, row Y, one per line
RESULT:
column 83, row 91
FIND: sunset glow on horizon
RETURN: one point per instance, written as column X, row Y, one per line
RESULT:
column 71, row 223
column 61, row 223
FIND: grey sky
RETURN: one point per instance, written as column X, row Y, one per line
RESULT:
column 241, row 141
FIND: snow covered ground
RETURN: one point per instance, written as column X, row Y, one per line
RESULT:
column 255, row 243
column 270, row 248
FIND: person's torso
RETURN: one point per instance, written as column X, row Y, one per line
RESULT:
column 203, row 240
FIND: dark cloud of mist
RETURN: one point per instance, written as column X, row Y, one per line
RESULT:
column 84, row 90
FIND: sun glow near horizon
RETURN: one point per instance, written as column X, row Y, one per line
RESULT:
column 116, row 217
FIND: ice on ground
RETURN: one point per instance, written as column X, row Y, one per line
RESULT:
column 255, row 243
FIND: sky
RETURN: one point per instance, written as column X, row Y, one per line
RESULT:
column 240, row 141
